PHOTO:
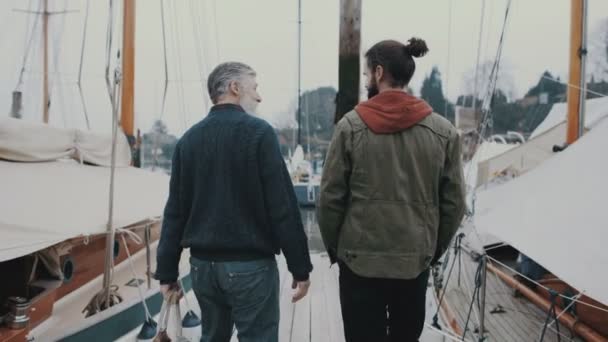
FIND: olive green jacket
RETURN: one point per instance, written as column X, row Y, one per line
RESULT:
column 391, row 203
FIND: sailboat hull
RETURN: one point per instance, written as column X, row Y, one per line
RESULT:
column 596, row 319
column 87, row 260
column 68, row 323
column 121, row 322
column 307, row 194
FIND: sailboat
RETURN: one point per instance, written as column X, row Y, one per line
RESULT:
column 306, row 178
column 529, row 264
column 79, row 223
column 306, row 181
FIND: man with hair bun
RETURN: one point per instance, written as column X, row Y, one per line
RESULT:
column 392, row 198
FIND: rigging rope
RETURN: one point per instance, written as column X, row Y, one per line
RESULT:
column 475, row 81
column 196, row 36
column 109, row 51
column 109, row 268
column 495, row 68
column 487, row 104
column 140, row 292
column 459, row 256
column 108, row 295
column 457, row 247
column 217, row 35
column 99, row 302
column 574, row 298
column 28, row 47
column 574, row 86
column 56, row 53
column 166, row 85
column 566, row 309
column 200, row 52
column 489, row 24
column 79, row 83
column 155, row 137
column 201, row 26
column 448, row 67
column 551, row 314
column 475, row 296
column 178, row 66
column 28, row 24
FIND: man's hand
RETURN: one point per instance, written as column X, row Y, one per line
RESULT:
column 301, row 288
column 167, row 289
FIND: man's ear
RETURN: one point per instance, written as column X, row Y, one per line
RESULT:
column 234, row 88
column 379, row 73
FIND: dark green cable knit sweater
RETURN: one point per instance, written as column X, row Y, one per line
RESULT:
column 231, row 197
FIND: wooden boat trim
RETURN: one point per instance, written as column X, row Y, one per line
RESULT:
column 564, row 317
column 447, row 314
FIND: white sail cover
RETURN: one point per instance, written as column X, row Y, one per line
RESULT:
column 45, row 203
column 35, row 142
column 522, row 158
column 551, row 132
column 595, row 110
column 556, row 213
column 486, row 151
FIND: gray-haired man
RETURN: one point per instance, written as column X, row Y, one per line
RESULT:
column 231, row 201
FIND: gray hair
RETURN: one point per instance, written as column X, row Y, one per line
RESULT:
column 220, row 78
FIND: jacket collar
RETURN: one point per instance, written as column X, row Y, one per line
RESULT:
column 226, row 107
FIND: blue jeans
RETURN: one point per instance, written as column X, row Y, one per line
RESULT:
column 244, row 294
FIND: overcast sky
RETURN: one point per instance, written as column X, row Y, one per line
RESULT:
column 263, row 33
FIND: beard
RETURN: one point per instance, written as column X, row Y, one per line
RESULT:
column 372, row 89
column 249, row 104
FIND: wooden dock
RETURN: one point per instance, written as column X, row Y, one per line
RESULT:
column 317, row 317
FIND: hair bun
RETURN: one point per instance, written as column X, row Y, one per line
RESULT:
column 416, row 47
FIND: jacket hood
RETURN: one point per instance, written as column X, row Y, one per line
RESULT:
column 392, row 111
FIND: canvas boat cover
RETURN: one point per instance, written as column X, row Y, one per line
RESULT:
column 556, row 213
column 48, row 195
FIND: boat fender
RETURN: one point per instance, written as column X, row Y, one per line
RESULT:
column 147, row 331
column 191, row 326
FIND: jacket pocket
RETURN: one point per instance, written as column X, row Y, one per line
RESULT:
column 392, row 227
column 356, row 225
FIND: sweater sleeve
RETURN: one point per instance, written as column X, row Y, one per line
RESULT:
column 282, row 207
column 169, row 247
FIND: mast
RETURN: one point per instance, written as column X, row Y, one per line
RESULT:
column 299, row 72
column 46, row 101
column 349, row 65
column 127, row 119
column 45, row 63
column 578, row 58
column 475, row 90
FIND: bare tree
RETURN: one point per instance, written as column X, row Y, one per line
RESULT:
column 505, row 81
column 598, row 52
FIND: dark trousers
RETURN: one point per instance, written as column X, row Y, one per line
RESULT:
column 382, row 310
column 241, row 294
